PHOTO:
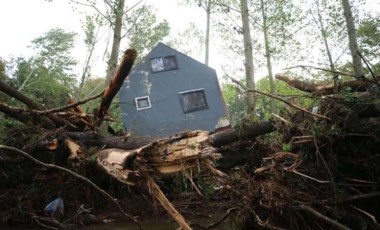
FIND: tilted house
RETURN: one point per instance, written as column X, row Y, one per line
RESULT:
column 169, row 92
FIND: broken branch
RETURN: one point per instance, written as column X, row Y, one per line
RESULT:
column 325, row 89
column 116, row 83
column 280, row 99
column 68, row 171
column 323, row 217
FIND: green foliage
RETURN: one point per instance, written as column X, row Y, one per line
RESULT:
column 369, row 37
column 91, row 87
column 89, row 29
column 47, row 76
column 189, row 40
column 282, row 89
column 145, row 33
column 235, row 102
column 2, row 70
column 286, row 147
column 53, row 50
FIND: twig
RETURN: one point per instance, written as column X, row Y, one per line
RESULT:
column 264, row 224
column 309, row 177
column 318, row 68
column 159, row 195
column 367, row 214
column 68, row 106
column 49, row 220
column 359, row 197
column 369, row 68
column 323, row 217
column 327, row 167
column 68, row 171
column 192, row 182
column 278, row 98
column 280, row 118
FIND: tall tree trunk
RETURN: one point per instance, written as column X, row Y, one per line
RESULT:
column 112, row 62
column 351, row 30
column 207, row 38
column 268, row 57
column 324, row 35
column 249, row 71
column 87, row 64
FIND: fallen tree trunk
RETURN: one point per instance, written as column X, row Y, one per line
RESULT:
column 116, row 83
column 133, row 142
column 326, row 89
column 232, row 135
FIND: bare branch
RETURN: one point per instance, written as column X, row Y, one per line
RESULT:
column 80, row 177
column 107, row 17
column 278, row 98
column 319, row 68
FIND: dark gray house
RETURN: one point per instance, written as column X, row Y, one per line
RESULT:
column 168, row 92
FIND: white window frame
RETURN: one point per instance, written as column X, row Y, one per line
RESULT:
column 137, row 103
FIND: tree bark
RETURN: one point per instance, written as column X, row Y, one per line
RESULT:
column 118, row 23
column 232, row 135
column 268, row 57
column 324, row 36
column 133, row 142
column 248, row 53
column 325, row 89
column 87, row 64
column 352, row 38
column 115, row 84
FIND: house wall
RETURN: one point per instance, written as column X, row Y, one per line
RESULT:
column 166, row 116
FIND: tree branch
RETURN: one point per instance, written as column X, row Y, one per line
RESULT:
column 278, row 98
column 33, row 105
column 319, row 68
column 116, row 83
column 80, row 177
column 325, row 89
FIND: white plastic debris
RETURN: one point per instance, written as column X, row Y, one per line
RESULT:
column 55, row 207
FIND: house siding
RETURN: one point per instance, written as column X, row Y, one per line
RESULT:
column 166, row 116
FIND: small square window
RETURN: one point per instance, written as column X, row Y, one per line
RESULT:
column 170, row 63
column 157, row 64
column 143, row 103
column 193, row 100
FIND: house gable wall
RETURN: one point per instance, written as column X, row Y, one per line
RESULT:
column 166, row 117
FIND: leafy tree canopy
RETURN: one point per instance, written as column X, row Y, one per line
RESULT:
column 47, row 76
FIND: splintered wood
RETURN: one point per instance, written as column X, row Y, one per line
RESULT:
column 165, row 156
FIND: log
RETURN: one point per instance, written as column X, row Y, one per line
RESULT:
column 116, row 83
column 232, row 135
column 217, row 139
column 326, row 89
